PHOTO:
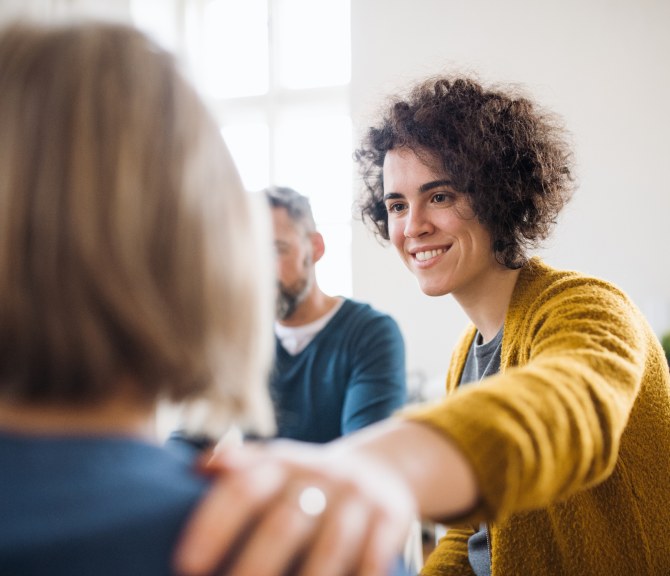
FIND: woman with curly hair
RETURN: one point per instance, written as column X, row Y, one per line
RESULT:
column 550, row 454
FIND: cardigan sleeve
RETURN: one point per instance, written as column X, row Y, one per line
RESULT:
column 550, row 423
column 450, row 557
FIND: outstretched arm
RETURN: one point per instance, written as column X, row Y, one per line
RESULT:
column 375, row 482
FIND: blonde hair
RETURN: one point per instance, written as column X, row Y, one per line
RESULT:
column 127, row 243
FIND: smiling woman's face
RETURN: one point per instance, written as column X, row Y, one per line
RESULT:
column 433, row 227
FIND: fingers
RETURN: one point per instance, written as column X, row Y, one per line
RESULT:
column 359, row 537
column 329, row 544
column 339, row 542
column 378, row 556
column 225, row 513
column 281, row 534
column 255, row 522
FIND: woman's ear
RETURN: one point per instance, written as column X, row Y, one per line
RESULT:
column 318, row 246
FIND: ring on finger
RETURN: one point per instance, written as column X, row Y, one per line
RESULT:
column 312, row 501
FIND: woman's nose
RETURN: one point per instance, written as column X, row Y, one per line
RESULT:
column 416, row 224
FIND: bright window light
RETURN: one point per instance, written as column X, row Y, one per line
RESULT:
column 233, row 54
column 157, row 21
column 313, row 42
column 249, row 145
column 275, row 75
column 334, row 269
column 313, row 155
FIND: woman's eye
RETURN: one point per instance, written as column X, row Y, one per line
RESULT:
column 395, row 207
column 440, row 197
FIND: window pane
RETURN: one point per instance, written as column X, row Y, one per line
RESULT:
column 313, row 42
column 334, row 269
column 313, row 155
column 232, row 48
column 249, row 147
column 157, row 18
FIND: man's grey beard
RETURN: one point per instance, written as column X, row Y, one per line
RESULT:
column 289, row 298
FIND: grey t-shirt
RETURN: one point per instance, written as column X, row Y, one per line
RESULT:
column 483, row 360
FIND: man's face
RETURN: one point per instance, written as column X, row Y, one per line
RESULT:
column 295, row 267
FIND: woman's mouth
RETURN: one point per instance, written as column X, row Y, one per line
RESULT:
column 428, row 254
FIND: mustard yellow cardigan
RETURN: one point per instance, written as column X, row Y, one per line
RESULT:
column 570, row 442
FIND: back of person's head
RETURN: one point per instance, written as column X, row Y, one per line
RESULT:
column 125, row 234
column 296, row 205
column 508, row 156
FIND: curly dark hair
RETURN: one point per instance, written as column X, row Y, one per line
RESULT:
column 510, row 158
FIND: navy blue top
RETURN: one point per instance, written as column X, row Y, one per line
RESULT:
column 104, row 506
column 350, row 375
column 78, row 506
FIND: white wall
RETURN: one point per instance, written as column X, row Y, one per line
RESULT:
column 604, row 65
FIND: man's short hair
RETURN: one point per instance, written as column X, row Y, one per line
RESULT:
column 296, row 205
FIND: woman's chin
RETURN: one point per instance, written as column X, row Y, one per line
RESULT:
column 432, row 289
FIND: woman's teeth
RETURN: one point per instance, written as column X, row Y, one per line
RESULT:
column 426, row 255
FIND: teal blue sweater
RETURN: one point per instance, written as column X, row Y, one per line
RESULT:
column 352, row 374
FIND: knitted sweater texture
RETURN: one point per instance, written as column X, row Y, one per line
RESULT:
column 570, row 442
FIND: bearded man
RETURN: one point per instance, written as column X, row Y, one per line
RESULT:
column 339, row 363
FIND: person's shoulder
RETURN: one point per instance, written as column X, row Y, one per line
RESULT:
column 362, row 308
column 119, row 465
column 124, row 497
column 362, row 316
column 179, row 469
column 366, row 313
column 543, row 277
column 541, row 287
column 162, row 472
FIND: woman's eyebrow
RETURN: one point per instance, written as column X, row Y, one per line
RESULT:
column 435, row 184
column 427, row 187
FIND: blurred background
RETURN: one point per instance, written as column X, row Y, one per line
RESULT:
column 294, row 83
